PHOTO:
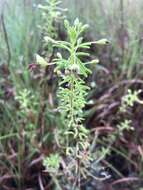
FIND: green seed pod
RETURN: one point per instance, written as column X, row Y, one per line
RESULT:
column 102, row 42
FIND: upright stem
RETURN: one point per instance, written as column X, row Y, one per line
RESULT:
column 72, row 119
column 72, row 61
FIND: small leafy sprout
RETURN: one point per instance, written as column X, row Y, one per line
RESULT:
column 102, row 153
column 25, row 99
column 129, row 99
column 125, row 125
column 27, row 113
column 52, row 163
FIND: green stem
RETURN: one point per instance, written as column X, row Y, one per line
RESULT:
column 72, row 101
column 8, row 136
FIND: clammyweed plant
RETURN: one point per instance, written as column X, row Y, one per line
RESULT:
column 73, row 138
column 124, row 125
column 52, row 163
column 25, row 99
column 72, row 88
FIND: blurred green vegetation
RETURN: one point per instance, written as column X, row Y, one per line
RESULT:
column 20, row 38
